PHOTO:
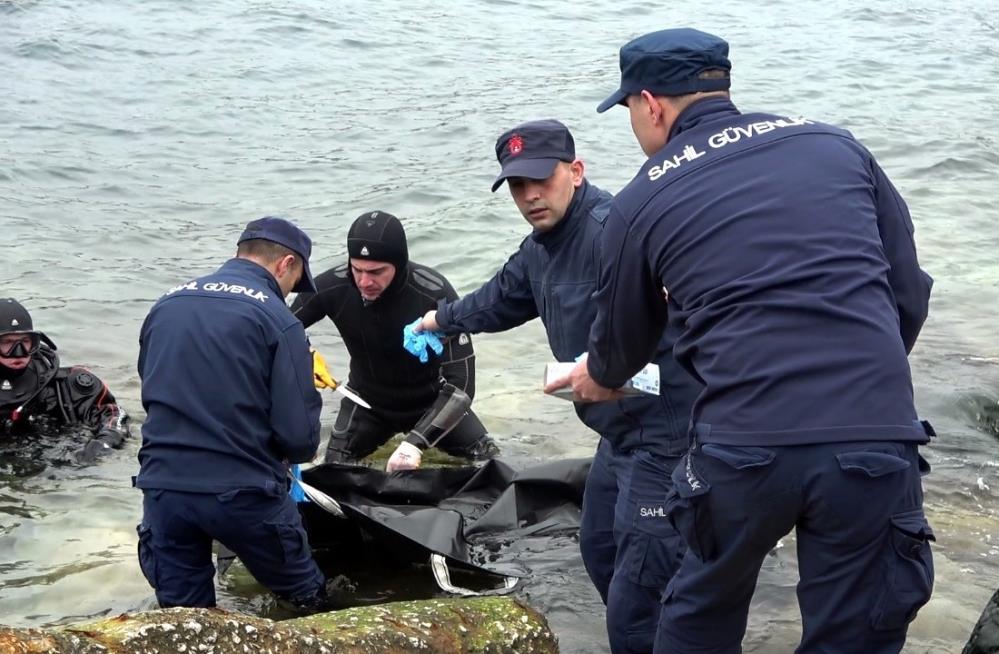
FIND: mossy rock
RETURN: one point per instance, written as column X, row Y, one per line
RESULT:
column 432, row 458
column 484, row 625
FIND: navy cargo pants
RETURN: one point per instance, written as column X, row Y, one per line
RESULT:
column 263, row 528
column 862, row 542
column 628, row 547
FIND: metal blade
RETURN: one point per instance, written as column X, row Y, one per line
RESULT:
column 322, row 499
column 352, row 396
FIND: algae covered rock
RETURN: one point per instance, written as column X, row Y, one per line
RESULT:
column 41, row 641
column 487, row 625
column 494, row 625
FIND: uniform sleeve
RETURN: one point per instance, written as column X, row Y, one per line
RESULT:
column 458, row 360
column 631, row 310
column 910, row 284
column 295, row 403
column 502, row 303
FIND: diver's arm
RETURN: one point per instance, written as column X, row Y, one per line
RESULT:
column 458, row 359
column 89, row 400
column 310, row 308
column 443, row 415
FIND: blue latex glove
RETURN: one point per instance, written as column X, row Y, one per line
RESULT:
column 417, row 344
column 296, row 491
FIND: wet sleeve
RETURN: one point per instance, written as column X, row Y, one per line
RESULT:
column 95, row 407
column 458, row 360
column 631, row 311
column 502, row 303
column 309, row 307
column 910, row 284
column 295, row 403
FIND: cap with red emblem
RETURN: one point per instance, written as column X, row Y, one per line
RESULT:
column 533, row 149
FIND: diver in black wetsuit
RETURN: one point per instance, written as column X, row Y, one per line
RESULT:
column 37, row 394
column 370, row 299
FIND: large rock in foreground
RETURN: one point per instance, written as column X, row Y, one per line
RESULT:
column 488, row 625
column 985, row 636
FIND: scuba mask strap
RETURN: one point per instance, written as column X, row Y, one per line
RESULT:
column 48, row 341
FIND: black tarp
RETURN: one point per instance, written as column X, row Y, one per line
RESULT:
column 464, row 514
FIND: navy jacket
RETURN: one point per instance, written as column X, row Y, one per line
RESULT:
column 789, row 261
column 226, row 385
column 553, row 276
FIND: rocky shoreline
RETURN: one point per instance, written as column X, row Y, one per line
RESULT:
column 485, row 625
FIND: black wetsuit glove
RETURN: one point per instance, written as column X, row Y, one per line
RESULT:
column 99, row 446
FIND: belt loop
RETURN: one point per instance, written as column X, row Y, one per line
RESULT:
column 697, row 435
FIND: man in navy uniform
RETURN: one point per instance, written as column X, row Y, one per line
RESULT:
column 787, row 257
column 628, row 552
column 227, row 384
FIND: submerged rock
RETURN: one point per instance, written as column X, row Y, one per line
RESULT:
column 485, row 625
column 982, row 410
column 985, row 636
column 988, row 417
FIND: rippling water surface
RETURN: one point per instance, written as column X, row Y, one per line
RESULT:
column 136, row 138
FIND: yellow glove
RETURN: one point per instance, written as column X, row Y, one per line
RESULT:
column 320, row 374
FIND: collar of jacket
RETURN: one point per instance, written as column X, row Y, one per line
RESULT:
column 702, row 111
column 578, row 207
column 245, row 266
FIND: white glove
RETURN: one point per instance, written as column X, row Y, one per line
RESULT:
column 406, row 457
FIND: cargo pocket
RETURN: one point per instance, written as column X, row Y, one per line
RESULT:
column 740, row 458
column 908, row 571
column 688, row 511
column 291, row 537
column 653, row 548
column 147, row 558
column 871, row 464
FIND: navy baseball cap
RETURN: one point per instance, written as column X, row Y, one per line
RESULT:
column 282, row 232
column 669, row 62
column 533, row 149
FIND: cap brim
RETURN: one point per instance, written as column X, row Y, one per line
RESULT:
column 306, row 284
column 529, row 168
column 617, row 97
